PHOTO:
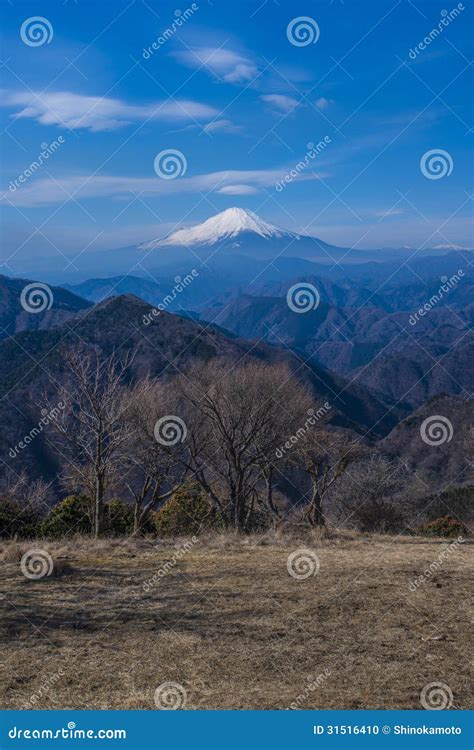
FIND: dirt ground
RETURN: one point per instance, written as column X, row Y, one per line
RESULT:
column 237, row 623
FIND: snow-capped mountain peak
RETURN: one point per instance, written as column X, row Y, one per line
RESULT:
column 225, row 225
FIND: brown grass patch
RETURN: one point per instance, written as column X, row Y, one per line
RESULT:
column 228, row 622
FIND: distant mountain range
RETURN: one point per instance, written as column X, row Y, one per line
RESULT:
column 32, row 364
column 367, row 324
column 231, row 242
column 354, row 356
column 15, row 317
column 388, row 330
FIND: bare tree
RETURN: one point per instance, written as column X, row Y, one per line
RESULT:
column 91, row 426
column 324, row 455
column 373, row 493
column 236, row 419
column 154, row 473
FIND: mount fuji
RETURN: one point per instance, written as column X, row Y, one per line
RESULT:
column 240, row 231
column 235, row 245
column 227, row 225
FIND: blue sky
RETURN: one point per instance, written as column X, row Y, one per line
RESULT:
column 231, row 92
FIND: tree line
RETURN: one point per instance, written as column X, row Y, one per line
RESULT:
column 248, row 437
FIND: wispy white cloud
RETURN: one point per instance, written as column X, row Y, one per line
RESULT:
column 323, row 103
column 226, row 64
column 238, row 190
column 46, row 191
column 95, row 113
column 222, row 126
column 281, row 102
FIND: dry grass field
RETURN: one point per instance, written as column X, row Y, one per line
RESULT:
column 226, row 620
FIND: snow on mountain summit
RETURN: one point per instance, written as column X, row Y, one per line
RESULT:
column 225, row 225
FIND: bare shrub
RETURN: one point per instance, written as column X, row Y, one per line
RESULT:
column 371, row 495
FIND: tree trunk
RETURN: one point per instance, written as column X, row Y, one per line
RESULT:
column 316, row 517
column 99, row 506
column 137, row 520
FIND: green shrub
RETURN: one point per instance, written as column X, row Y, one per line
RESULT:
column 187, row 512
column 118, row 518
column 71, row 516
column 17, row 521
column 445, row 526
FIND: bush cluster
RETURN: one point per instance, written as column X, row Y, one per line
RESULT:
column 16, row 521
column 187, row 512
column 445, row 526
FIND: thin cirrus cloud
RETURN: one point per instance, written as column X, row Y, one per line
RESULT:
column 222, row 126
column 46, row 191
column 238, row 190
column 281, row 102
column 225, row 64
column 97, row 113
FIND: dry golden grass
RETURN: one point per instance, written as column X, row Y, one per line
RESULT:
column 230, row 624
